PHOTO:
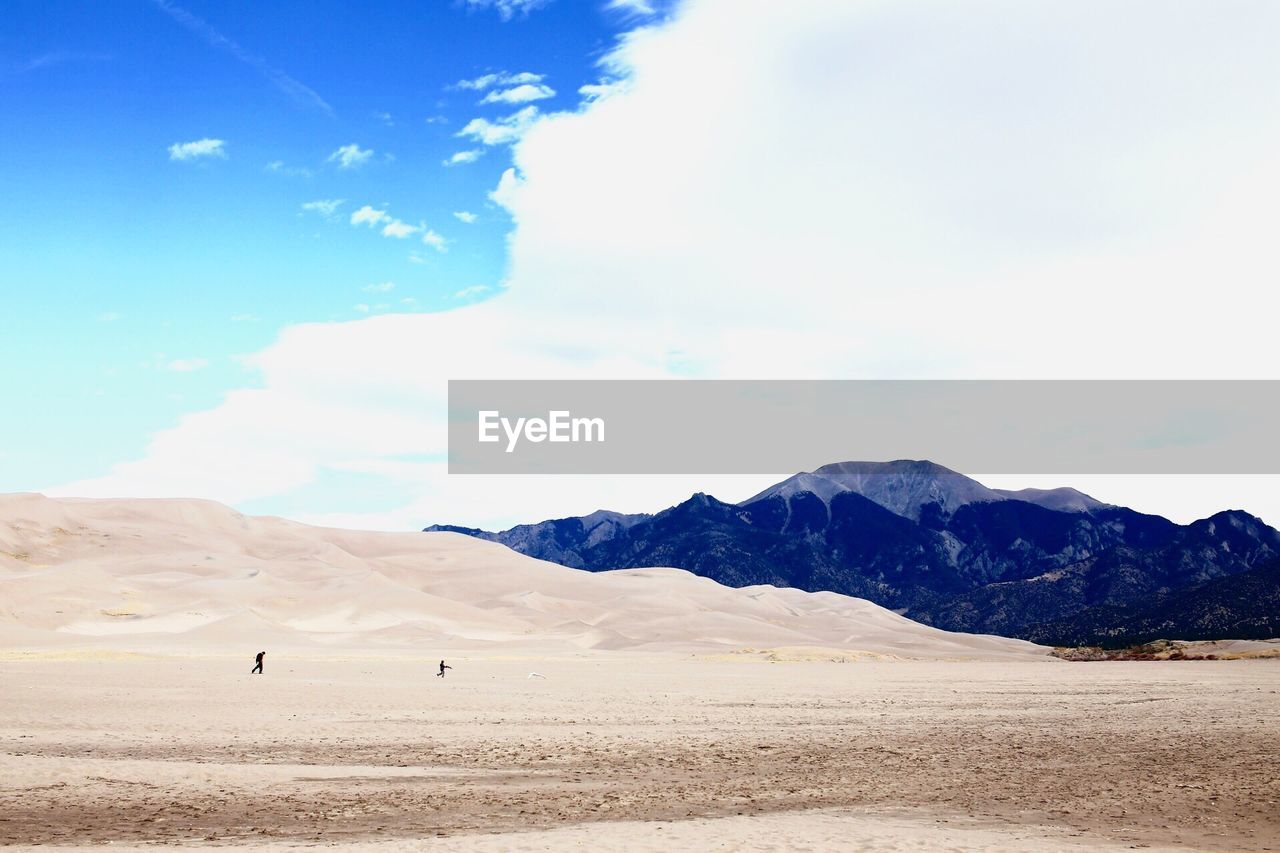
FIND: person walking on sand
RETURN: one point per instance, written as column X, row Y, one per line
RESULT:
column 258, row 663
column 443, row 667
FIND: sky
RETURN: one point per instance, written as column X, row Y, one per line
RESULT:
column 142, row 274
column 243, row 249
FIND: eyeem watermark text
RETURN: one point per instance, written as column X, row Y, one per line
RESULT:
column 558, row 426
column 713, row 426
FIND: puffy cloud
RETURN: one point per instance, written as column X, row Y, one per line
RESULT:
column 502, row 131
column 500, row 78
column 596, row 91
column 633, row 7
column 198, row 149
column 380, row 287
column 393, row 226
column 460, row 157
column 326, row 207
column 434, row 240
column 351, row 156
column 519, row 94
column 465, row 216
column 1007, row 192
column 399, row 230
column 367, row 215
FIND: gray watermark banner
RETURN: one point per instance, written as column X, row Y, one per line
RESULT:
column 780, row 427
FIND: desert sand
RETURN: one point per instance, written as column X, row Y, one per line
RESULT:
column 197, row 575
column 619, row 750
column 637, row 710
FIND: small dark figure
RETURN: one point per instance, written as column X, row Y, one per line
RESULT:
column 440, row 674
column 258, row 662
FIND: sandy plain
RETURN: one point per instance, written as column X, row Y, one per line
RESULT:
column 623, row 750
column 667, row 713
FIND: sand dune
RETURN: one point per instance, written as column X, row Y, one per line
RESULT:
column 187, row 574
column 672, row 713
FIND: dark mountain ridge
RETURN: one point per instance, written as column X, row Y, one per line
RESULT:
column 1052, row 565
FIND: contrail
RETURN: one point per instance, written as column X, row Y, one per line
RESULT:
column 295, row 89
column 58, row 57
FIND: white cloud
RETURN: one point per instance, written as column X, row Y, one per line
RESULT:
column 399, row 230
column 465, row 216
column 198, row 149
column 187, row 365
column 473, row 290
column 351, row 156
column 326, row 207
column 1008, row 192
column 434, row 240
column 391, row 226
column 519, row 94
column 468, row 156
column 596, row 91
column 380, row 287
column 508, row 9
column 500, row 78
column 279, row 167
column 634, row 7
column 503, row 131
column 368, row 216
column 504, row 193
column 362, row 307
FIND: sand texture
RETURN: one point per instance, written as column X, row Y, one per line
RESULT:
column 195, row 575
column 614, row 751
column 636, row 710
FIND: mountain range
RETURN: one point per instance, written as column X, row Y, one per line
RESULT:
column 1055, row 566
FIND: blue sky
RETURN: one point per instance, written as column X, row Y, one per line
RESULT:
column 132, row 280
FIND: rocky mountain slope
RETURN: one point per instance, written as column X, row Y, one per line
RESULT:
column 931, row 543
column 1245, row 606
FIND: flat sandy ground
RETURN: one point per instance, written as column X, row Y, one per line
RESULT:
column 632, row 751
